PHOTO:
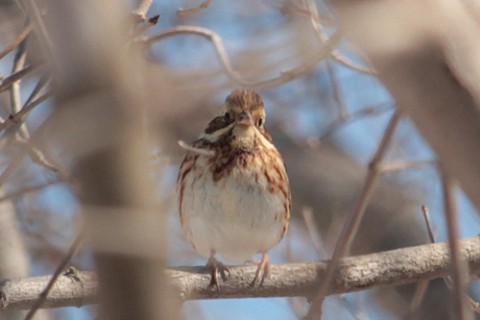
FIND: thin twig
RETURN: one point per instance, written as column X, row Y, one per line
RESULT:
column 142, row 27
column 199, row 151
column 294, row 7
column 182, row 12
column 37, row 156
column 426, row 216
column 474, row 305
column 41, row 30
column 313, row 232
column 8, row 81
column 233, row 75
column 18, row 64
column 337, row 93
column 29, row 107
column 15, row 92
column 40, row 87
column 398, row 166
column 15, row 123
column 297, row 305
column 417, row 299
column 22, row 36
column 19, row 193
column 16, row 118
column 352, row 117
column 60, row 269
column 316, row 239
column 142, row 9
column 422, row 287
column 23, row 151
column 322, row 35
column 351, row 225
column 350, row 64
column 13, row 165
column 458, row 265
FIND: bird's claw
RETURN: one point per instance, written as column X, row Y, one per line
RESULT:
column 263, row 270
column 217, row 270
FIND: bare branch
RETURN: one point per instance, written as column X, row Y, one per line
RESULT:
column 322, row 35
column 474, row 305
column 458, row 267
column 314, row 233
column 433, row 78
column 18, row 64
column 233, row 75
column 337, row 92
column 398, row 166
column 417, row 299
column 40, row 29
column 36, row 155
column 22, row 36
column 350, row 227
column 182, row 12
column 351, row 117
column 426, row 216
column 60, row 269
column 8, row 81
column 16, row 118
column 389, row 268
column 30, row 189
column 143, row 7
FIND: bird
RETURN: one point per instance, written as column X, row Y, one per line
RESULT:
column 234, row 197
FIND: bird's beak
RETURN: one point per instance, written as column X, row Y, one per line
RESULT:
column 245, row 119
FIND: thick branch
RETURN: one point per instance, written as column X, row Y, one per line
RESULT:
column 389, row 268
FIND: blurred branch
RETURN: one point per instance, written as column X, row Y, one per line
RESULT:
column 37, row 156
column 22, row 36
column 337, row 93
column 17, row 117
column 18, row 64
column 41, row 30
column 18, row 114
column 403, row 165
column 8, row 81
column 417, row 299
column 352, row 117
column 109, row 156
column 182, row 12
column 420, row 292
column 60, row 269
column 233, row 75
column 389, row 268
column 458, row 267
column 142, row 9
column 430, row 66
column 29, row 189
column 322, row 35
column 352, row 224
column 318, row 242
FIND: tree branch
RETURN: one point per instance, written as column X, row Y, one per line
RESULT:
column 389, row 268
column 235, row 78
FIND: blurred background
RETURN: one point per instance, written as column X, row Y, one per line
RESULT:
column 327, row 122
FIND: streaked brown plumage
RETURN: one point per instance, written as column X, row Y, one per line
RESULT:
column 233, row 190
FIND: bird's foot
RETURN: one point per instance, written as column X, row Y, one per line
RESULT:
column 263, row 269
column 217, row 270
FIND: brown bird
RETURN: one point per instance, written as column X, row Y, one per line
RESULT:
column 233, row 190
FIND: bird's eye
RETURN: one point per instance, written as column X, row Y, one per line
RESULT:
column 259, row 122
column 227, row 116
